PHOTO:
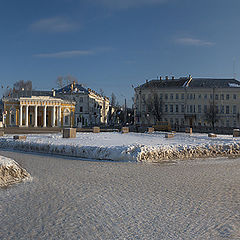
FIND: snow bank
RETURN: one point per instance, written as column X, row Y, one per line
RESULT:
column 11, row 172
column 128, row 147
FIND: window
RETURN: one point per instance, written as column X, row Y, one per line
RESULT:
column 166, row 108
column 227, row 109
column 199, row 108
column 199, row 96
column 81, row 99
column 182, row 108
column 176, row 95
column 182, row 96
column 235, row 123
column 194, row 108
column 166, row 96
column 227, row 123
column 216, row 96
column 205, row 108
column 66, row 117
column 12, row 119
column 66, row 120
column 222, row 96
column 171, row 108
column 234, row 109
column 222, row 123
column 81, row 109
column 205, row 96
column 234, row 96
column 217, row 110
column 177, row 108
column 171, row 96
column 191, row 109
column 176, row 121
column 182, row 121
column 191, row 96
column 222, row 110
column 161, row 96
column 227, row 97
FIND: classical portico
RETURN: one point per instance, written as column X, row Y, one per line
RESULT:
column 39, row 111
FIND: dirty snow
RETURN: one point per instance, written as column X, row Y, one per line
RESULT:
column 11, row 172
column 128, row 147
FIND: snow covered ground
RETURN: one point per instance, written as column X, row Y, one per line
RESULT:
column 69, row 198
column 11, row 172
column 128, row 147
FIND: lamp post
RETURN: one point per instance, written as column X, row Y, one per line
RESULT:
column 147, row 116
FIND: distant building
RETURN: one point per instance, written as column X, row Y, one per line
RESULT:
column 187, row 101
column 91, row 107
column 38, row 111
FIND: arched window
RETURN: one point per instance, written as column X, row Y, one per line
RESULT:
column 12, row 116
column 66, row 117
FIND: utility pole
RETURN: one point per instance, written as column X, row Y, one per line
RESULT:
column 125, row 111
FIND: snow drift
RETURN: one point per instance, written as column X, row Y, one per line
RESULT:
column 128, row 147
column 11, row 172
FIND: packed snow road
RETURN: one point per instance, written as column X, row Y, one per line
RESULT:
column 69, row 198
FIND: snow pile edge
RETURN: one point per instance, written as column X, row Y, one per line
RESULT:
column 134, row 152
column 11, row 172
column 166, row 153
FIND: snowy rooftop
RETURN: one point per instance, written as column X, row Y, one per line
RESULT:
column 194, row 83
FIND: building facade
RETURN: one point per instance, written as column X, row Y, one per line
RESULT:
column 38, row 111
column 194, row 102
column 91, row 108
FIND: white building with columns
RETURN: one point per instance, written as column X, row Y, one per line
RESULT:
column 39, row 111
column 91, row 107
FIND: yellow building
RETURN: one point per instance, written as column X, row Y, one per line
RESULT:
column 38, row 111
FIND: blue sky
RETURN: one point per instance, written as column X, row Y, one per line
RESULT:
column 114, row 44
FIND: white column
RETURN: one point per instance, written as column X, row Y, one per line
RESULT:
column 59, row 116
column 45, row 116
column 53, row 116
column 26, row 116
column 20, row 116
column 35, row 116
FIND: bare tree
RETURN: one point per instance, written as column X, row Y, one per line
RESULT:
column 154, row 107
column 101, row 92
column 113, row 100
column 69, row 79
column 22, row 85
column 60, row 81
column 65, row 80
column 211, row 115
column 7, row 92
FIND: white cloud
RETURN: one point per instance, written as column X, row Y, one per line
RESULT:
column 55, row 25
column 193, row 42
column 66, row 54
column 123, row 4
